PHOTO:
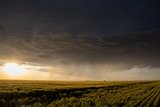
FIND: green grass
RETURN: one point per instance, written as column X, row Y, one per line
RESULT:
column 79, row 94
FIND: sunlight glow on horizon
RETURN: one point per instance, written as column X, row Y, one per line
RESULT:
column 25, row 71
column 14, row 69
column 31, row 71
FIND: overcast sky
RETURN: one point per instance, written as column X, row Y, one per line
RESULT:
column 94, row 39
column 81, row 16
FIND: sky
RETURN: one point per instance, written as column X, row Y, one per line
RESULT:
column 81, row 39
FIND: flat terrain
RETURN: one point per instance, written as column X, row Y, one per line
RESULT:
column 14, row 93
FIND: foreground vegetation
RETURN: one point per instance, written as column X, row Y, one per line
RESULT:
column 79, row 94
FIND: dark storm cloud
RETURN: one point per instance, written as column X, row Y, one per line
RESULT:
column 81, row 16
column 86, row 36
column 130, row 49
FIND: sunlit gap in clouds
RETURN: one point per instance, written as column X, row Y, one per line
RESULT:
column 14, row 70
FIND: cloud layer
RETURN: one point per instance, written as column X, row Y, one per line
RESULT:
column 91, row 39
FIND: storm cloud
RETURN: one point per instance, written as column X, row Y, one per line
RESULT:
column 91, row 39
column 80, row 16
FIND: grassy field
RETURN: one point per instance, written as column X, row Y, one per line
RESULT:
column 79, row 94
